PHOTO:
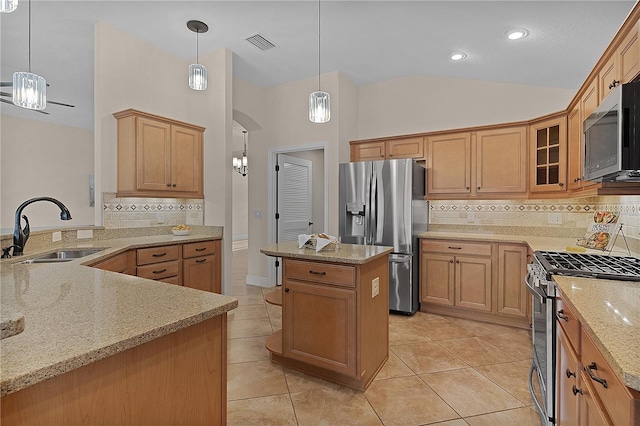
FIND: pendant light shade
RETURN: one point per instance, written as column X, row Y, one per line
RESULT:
column 319, row 101
column 319, row 107
column 197, row 77
column 240, row 165
column 29, row 90
column 197, row 72
column 7, row 6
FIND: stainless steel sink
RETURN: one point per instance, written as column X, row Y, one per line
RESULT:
column 63, row 255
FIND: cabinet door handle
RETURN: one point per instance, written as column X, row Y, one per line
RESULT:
column 455, row 248
column 561, row 316
column 286, row 290
column 201, row 249
column 201, row 260
column 576, row 391
column 560, row 184
column 174, row 185
column 160, row 271
column 569, row 373
column 589, row 369
column 159, row 254
column 317, row 273
column 168, row 185
column 614, row 83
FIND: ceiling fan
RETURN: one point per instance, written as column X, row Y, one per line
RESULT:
column 10, row 95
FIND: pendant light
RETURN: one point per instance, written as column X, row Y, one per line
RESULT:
column 29, row 90
column 240, row 164
column 7, row 6
column 197, row 72
column 319, row 102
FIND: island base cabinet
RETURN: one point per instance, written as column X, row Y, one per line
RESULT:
column 176, row 379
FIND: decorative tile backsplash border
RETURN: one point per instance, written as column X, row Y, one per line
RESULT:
column 143, row 212
column 574, row 214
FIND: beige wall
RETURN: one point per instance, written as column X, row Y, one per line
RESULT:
column 427, row 103
column 43, row 159
column 130, row 73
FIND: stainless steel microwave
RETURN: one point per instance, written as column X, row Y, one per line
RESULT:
column 612, row 137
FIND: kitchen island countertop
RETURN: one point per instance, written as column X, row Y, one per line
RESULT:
column 595, row 302
column 75, row 315
column 346, row 253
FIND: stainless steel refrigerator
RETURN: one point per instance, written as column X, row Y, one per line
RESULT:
column 382, row 203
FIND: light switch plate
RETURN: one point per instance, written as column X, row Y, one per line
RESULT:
column 375, row 287
column 554, row 218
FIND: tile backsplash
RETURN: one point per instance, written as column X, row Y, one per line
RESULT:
column 144, row 212
column 574, row 214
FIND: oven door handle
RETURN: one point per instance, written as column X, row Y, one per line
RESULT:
column 533, row 290
column 541, row 412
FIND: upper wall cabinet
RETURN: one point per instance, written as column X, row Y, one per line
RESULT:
column 158, row 157
column 548, row 142
column 388, row 149
column 465, row 163
column 623, row 65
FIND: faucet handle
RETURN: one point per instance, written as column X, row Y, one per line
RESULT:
column 5, row 251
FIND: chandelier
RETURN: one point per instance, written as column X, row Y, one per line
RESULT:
column 240, row 164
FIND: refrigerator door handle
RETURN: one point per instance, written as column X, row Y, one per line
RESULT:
column 374, row 207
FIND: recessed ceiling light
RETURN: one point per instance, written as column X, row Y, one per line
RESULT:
column 456, row 56
column 517, row 33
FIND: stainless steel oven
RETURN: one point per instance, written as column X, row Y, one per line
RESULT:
column 539, row 282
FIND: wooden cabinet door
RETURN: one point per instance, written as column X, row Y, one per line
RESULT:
column 319, row 325
column 629, row 56
column 368, row 151
column 608, row 77
column 436, row 279
column 123, row 263
column 201, row 273
column 405, row 148
column 501, row 161
column 589, row 101
column 153, row 155
column 512, row 294
column 449, row 164
column 574, row 149
column 591, row 410
column 473, row 283
column 186, row 160
column 567, row 372
column 548, row 140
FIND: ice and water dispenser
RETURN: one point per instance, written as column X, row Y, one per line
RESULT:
column 355, row 220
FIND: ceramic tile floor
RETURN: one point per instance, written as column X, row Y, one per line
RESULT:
column 441, row 370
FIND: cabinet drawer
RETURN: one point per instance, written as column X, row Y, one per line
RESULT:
column 569, row 323
column 171, row 280
column 320, row 272
column 158, row 254
column 615, row 397
column 456, row 247
column 157, row 271
column 202, row 248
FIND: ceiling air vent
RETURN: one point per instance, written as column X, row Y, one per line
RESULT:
column 260, row 42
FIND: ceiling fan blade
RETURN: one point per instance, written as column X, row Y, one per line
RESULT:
column 61, row 104
column 35, row 110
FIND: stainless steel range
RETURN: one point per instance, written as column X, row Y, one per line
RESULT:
column 540, row 284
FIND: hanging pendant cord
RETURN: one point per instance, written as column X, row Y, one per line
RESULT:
column 197, row 36
column 29, row 35
column 318, row 45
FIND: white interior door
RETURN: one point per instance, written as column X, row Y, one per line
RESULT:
column 294, row 190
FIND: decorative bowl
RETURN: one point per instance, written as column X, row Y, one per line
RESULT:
column 181, row 231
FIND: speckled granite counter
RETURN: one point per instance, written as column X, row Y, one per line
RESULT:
column 594, row 301
column 75, row 315
column 610, row 313
column 347, row 253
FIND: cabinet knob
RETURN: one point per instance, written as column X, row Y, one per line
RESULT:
column 451, row 261
column 168, row 185
column 468, row 188
column 390, row 155
column 560, row 184
column 576, row 391
column 570, row 373
column 614, row 83
column 381, row 156
column 457, row 261
column 478, row 188
column 561, row 316
column 174, row 185
column 286, row 290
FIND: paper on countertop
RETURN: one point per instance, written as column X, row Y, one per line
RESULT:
column 320, row 241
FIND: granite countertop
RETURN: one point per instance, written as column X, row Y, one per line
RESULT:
column 610, row 313
column 74, row 315
column 346, row 253
column 594, row 301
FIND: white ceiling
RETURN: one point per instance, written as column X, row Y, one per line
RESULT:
column 370, row 41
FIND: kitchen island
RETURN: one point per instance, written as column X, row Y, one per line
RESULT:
column 335, row 312
column 100, row 347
